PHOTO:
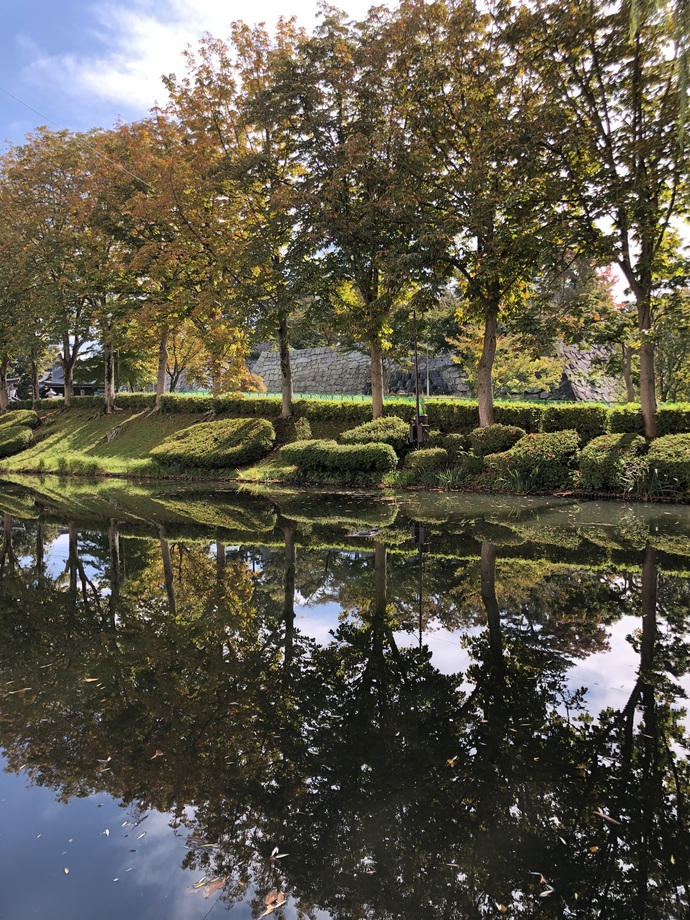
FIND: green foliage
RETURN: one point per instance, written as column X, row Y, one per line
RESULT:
column 673, row 419
column 522, row 414
column 669, row 458
column 240, row 406
column 495, row 438
column 135, row 400
column 325, row 456
column 427, row 460
column 612, row 462
column 14, row 439
column 456, row 445
column 24, row 417
column 393, row 431
column 589, row 420
column 545, row 461
column 217, row 445
column 626, row 419
column 291, row 429
column 186, row 402
column 453, row 414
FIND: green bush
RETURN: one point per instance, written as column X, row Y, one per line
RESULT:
column 240, row 406
column 539, row 461
column 626, row 419
column 27, row 418
column 495, row 438
column 135, row 400
column 331, row 410
column 186, row 402
column 612, row 462
column 393, row 431
column 326, row 456
column 669, row 460
column 673, row 418
column 291, row 429
column 456, row 444
column 14, row 439
column 452, row 414
column 217, row 445
column 521, row 414
column 427, row 460
column 588, row 419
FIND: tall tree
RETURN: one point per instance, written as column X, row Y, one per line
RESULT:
column 363, row 203
column 476, row 118
column 615, row 76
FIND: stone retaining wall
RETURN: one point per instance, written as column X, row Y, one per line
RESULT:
column 337, row 372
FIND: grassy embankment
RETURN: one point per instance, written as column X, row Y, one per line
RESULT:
column 76, row 441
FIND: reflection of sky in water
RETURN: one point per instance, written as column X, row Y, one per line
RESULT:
column 41, row 837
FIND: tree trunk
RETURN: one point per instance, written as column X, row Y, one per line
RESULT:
column 376, row 379
column 285, row 367
column 68, row 372
column 162, row 366
column 4, row 395
column 648, row 388
column 216, row 383
column 114, row 545
column 627, row 373
column 485, row 391
column 109, row 376
column 380, row 589
column 289, row 593
column 35, row 385
column 167, row 572
column 488, row 593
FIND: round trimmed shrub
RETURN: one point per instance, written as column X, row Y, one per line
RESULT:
column 669, row 459
column 14, row 439
column 612, row 462
column 427, row 460
column 392, row 430
column 26, row 418
column 494, row 439
column 327, row 456
column 218, row 445
column 537, row 461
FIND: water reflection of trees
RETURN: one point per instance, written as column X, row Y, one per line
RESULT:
column 396, row 790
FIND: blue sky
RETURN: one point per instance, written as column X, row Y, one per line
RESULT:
column 85, row 64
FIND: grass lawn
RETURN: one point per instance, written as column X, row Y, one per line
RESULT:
column 76, row 441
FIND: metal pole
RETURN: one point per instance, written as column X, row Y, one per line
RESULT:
column 416, row 364
column 428, row 394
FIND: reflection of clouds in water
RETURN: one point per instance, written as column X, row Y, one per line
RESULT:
column 609, row 676
column 318, row 621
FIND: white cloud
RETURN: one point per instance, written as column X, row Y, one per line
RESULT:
column 129, row 47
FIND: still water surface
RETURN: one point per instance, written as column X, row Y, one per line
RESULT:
column 323, row 707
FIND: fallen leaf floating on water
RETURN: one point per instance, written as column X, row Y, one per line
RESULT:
column 23, row 690
column 66, row 871
column 545, row 894
column 216, row 884
column 280, row 899
column 503, row 909
column 142, row 834
column 157, row 754
column 106, row 833
column 594, row 849
column 90, row 680
column 451, row 762
column 600, row 814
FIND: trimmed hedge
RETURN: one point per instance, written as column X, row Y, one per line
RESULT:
column 495, row 438
column 393, row 431
column 521, row 414
column 217, row 445
column 612, row 462
column 27, row 418
column 673, row 419
column 327, row 456
column 538, row 461
column 589, row 420
column 669, row 459
column 626, row 419
column 291, row 429
column 427, row 460
column 14, row 439
column 457, row 445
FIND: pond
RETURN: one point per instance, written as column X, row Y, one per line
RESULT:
column 316, row 706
